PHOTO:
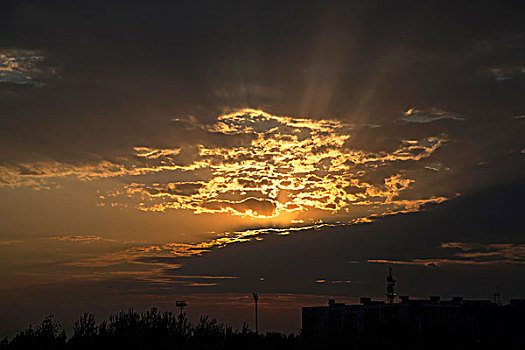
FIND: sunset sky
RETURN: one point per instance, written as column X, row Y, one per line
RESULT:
column 152, row 151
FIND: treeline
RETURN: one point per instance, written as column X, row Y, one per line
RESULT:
column 158, row 330
column 152, row 329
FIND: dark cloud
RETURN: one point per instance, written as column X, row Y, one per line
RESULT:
column 164, row 260
column 175, row 189
column 392, row 107
column 23, row 67
column 504, row 73
column 414, row 115
column 482, row 229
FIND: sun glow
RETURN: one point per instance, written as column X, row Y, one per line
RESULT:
column 253, row 165
column 293, row 169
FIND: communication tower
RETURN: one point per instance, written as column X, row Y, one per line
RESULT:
column 497, row 297
column 390, row 286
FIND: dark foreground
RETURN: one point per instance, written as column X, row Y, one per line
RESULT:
column 165, row 330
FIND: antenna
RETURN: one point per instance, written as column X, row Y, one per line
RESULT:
column 256, row 299
column 390, row 286
column 181, row 304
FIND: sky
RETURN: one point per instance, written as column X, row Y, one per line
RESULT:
column 165, row 150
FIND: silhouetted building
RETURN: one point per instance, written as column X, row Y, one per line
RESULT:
column 472, row 319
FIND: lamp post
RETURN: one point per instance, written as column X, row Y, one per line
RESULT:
column 181, row 304
column 256, row 298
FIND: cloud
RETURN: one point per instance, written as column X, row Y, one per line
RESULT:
column 23, row 67
column 290, row 165
column 43, row 174
column 88, row 239
column 341, row 282
column 488, row 253
column 437, row 166
column 172, row 253
column 323, row 281
column 160, row 263
column 171, row 189
column 503, row 73
column 171, row 261
column 150, row 153
column 287, row 166
column 414, row 115
column 468, row 254
column 200, row 277
column 417, row 262
column 253, row 206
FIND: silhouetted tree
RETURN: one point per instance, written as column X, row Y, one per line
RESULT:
column 165, row 330
column 48, row 335
column 209, row 329
column 85, row 326
column 85, row 332
column 124, row 324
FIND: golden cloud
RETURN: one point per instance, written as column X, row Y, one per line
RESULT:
column 291, row 165
column 290, row 168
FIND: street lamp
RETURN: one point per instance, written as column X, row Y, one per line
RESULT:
column 181, row 304
column 256, row 298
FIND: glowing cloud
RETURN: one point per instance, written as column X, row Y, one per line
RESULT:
column 291, row 165
column 288, row 168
